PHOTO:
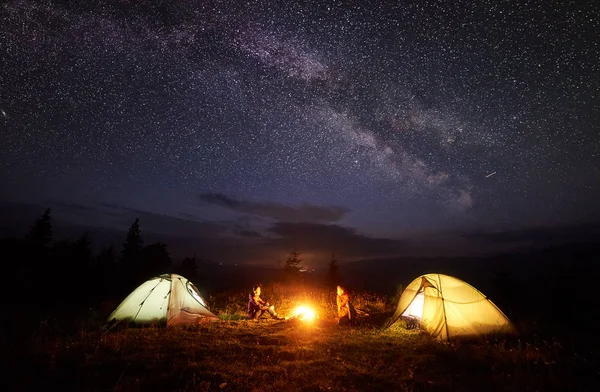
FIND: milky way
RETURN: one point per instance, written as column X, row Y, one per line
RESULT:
column 391, row 115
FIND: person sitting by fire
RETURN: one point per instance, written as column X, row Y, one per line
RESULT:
column 346, row 311
column 257, row 307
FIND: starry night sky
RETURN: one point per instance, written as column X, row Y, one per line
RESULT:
column 243, row 129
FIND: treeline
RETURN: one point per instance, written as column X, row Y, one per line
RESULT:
column 47, row 272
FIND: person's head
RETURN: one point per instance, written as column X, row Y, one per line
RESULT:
column 340, row 290
column 256, row 290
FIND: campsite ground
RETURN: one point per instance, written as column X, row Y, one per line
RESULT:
column 236, row 354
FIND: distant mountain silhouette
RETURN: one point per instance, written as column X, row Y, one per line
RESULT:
column 538, row 250
column 384, row 275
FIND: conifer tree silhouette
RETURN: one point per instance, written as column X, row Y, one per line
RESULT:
column 333, row 278
column 131, row 255
column 292, row 265
column 40, row 233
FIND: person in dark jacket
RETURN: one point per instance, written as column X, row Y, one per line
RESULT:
column 257, row 307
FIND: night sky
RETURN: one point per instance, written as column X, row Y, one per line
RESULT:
column 244, row 129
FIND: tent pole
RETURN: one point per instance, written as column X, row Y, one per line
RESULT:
column 443, row 307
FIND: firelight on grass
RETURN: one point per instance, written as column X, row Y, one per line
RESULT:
column 304, row 313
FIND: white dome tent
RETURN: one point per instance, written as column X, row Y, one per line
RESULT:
column 168, row 299
column 447, row 307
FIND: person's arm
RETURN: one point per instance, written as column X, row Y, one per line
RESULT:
column 255, row 301
column 344, row 301
column 349, row 306
column 262, row 304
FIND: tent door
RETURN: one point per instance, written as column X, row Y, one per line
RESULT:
column 415, row 309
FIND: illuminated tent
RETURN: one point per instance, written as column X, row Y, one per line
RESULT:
column 168, row 299
column 447, row 307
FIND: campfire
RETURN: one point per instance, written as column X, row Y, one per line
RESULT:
column 304, row 313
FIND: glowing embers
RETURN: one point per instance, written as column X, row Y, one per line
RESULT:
column 304, row 313
column 415, row 309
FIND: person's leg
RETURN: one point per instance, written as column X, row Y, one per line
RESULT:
column 274, row 314
column 353, row 313
column 344, row 320
column 258, row 314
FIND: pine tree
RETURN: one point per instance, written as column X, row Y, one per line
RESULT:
column 40, row 233
column 131, row 254
column 82, row 250
column 333, row 278
column 189, row 268
column 107, row 256
column 156, row 260
column 38, row 266
column 292, row 264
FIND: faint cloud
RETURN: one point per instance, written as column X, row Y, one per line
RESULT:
column 321, row 238
column 75, row 208
column 246, row 233
column 305, row 212
column 159, row 223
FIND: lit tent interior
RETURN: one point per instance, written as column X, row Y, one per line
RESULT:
column 447, row 307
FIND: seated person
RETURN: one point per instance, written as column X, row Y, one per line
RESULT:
column 346, row 311
column 257, row 307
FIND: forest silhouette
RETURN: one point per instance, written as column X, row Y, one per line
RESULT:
column 543, row 289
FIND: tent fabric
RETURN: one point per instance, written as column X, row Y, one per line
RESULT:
column 447, row 307
column 167, row 299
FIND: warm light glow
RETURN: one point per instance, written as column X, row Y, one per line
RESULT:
column 416, row 307
column 304, row 313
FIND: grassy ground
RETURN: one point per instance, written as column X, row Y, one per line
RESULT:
column 238, row 354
